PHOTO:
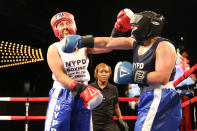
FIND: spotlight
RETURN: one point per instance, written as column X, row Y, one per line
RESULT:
column 12, row 54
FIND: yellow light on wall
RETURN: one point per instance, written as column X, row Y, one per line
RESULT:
column 12, row 54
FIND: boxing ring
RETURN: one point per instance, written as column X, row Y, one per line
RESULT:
column 28, row 100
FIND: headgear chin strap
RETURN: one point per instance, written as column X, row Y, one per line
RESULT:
column 149, row 24
column 63, row 16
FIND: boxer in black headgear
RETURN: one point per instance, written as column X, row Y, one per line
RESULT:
column 153, row 68
column 148, row 24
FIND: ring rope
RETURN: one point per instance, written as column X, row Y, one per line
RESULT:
column 185, row 75
column 46, row 99
column 184, row 104
column 43, row 117
column 122, row 99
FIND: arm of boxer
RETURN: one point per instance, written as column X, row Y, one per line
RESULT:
column 56, row 66
column 120, row 43
column 92, row 97
column 125, row 74
column 98, row 50
column 70, row 43
column 165, row 62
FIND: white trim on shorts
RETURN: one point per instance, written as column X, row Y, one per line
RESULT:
column 169, row 85
column 51, row 108
column 155, row 104
column 91, row 122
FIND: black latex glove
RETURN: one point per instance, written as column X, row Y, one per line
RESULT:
column 124, row 124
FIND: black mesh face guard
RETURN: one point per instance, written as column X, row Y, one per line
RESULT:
column 147, row 27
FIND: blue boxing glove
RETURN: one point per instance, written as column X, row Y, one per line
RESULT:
column 124, row 73
column 70, row 43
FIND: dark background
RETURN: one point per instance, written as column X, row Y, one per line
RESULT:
column 28, row 23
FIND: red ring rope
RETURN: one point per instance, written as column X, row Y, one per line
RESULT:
column 184, row 104
column 185, row 75
column 43, row 117
column 44, row 99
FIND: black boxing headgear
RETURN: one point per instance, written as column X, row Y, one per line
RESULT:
column 149, row 24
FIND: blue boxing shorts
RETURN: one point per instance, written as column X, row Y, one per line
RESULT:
column 65, row 112
column 159, row 109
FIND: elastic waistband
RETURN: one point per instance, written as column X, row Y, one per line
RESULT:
column 169, row 85
column 57, row 84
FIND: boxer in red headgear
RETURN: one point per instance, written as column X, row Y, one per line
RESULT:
column 71, row 99
column 70, row 29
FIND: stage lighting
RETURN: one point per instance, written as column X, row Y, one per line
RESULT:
column 12, row 54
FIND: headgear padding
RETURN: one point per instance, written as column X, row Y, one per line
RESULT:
column 63, row 16
column 149, row 24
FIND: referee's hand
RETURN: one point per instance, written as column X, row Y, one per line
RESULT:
column 124, row 124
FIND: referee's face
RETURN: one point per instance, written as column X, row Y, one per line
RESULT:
column 103, row 74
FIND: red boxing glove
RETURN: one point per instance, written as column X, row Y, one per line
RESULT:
column 124, row 20
column 92, row 97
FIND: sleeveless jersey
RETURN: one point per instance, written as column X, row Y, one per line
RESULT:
column 155, row 109
column 75, row 64
column 147, row 60
column 65, row 112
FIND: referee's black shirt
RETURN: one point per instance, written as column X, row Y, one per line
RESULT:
column 105, row 111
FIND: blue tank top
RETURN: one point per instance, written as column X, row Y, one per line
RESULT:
column 147, row 60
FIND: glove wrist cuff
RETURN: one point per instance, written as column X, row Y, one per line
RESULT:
column 140, row 77
column 87, row 41
column 117, row 33
column 73, row 85
column 77, row 88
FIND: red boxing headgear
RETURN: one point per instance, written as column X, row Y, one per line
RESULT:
column 63, row 16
